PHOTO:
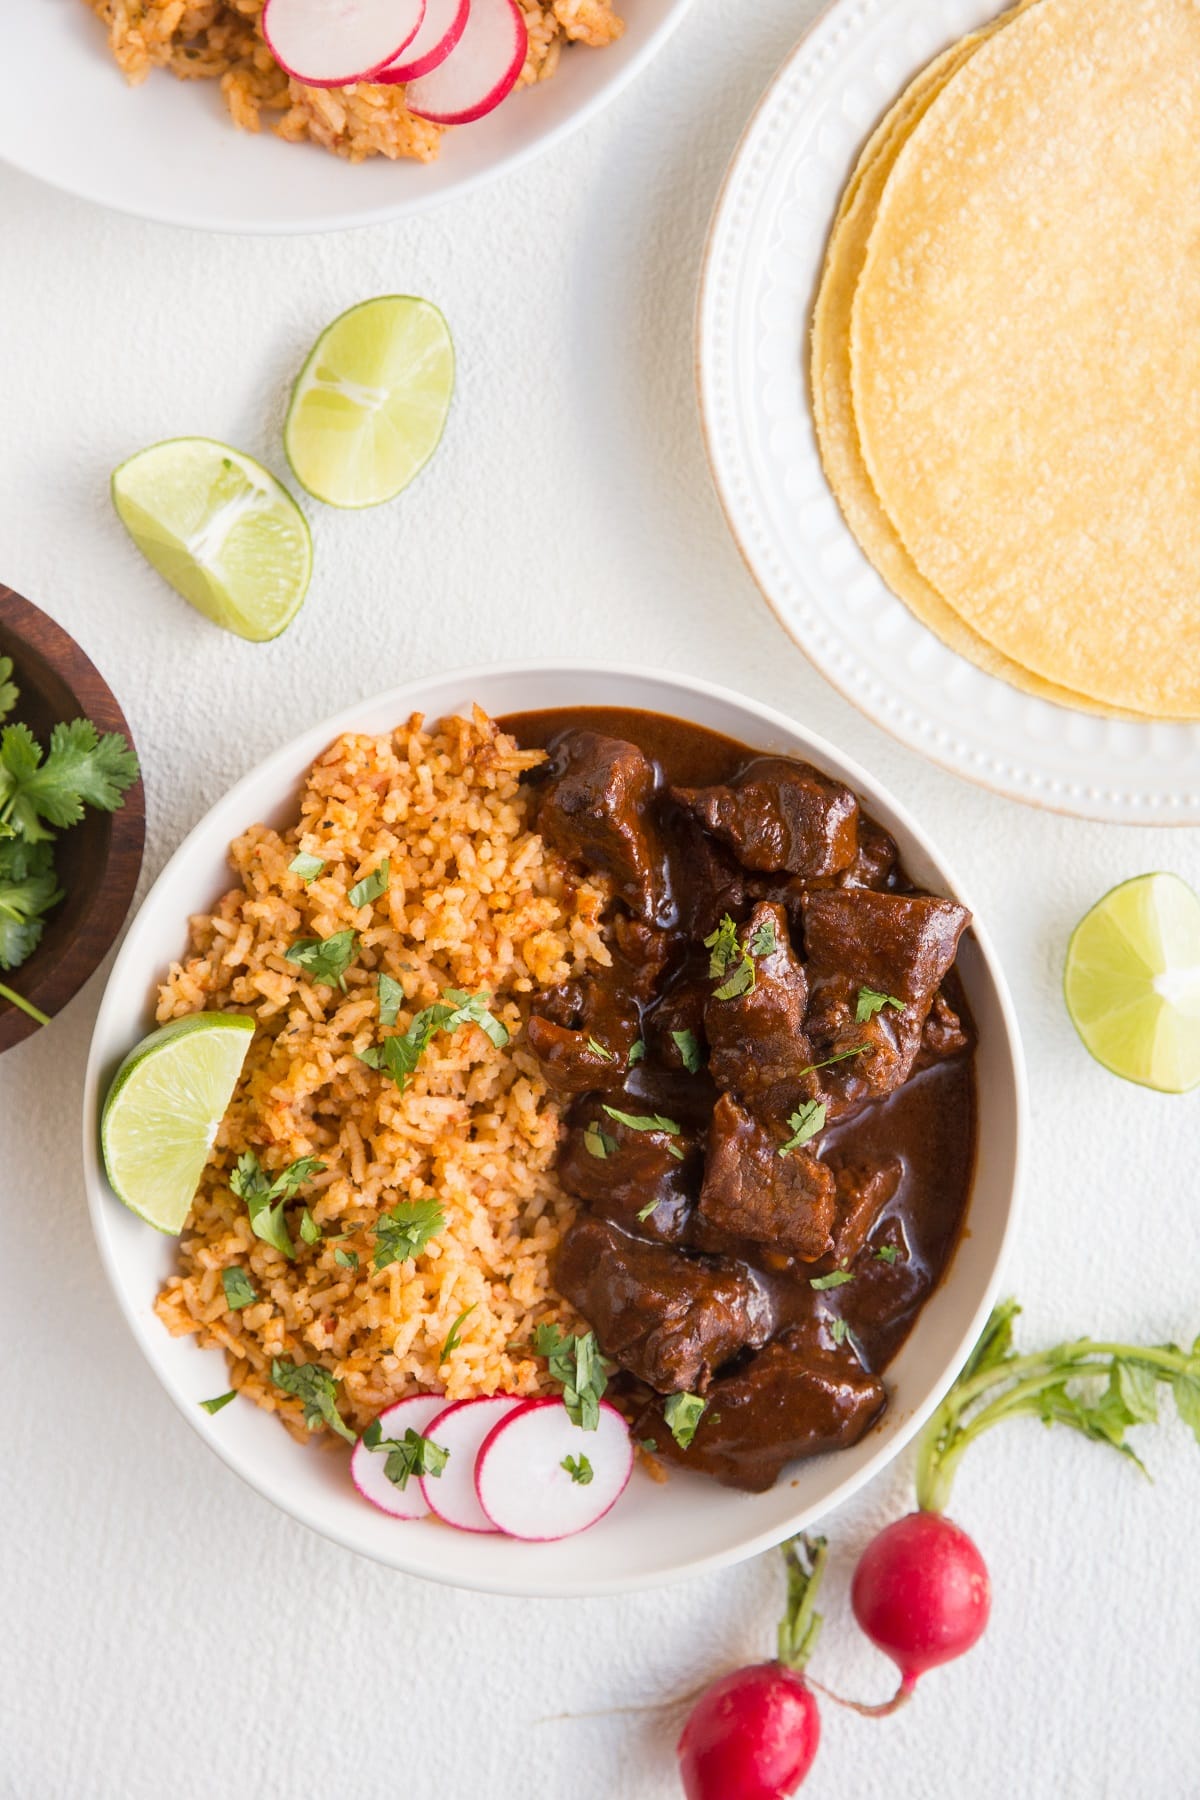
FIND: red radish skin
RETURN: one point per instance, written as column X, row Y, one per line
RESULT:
column 367, row 1466
column 522, row 1485
column 461, row 1429
column 753, row 1735
column 334, row 43
column 479, row 72
column 443, row 25
column 921, row 1593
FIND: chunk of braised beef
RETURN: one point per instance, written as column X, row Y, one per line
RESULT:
column 780, row 815
column 582, row 1033
column 595, row 806
column 674, row 1025
column 757, row 1038
column 640, row 954
column 671, row 1320
column 874, row 865
column 620, row 1173
column 794, row 1399
column 897, row 947
column 944, row 1034
column 863, row 1191
column 757, row 1198
column 708, row 881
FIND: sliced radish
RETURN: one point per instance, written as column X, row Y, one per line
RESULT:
column 367, row 1466
column 461, row 1429
column 443, row 25
column 480, row 70
column 332, row 43
column 541, row 1477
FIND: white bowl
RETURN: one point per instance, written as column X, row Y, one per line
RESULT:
column 168, row 150
column 655, row 1533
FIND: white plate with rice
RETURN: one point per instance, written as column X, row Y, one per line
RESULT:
column 656, row 1533
column 168, row 150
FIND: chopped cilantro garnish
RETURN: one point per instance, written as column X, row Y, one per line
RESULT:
column 407, row 1456
column 638, row 1052
column 649, row 1122
column 828, row 1062
column 391, row 999
column 306, row 867
column 455, row 1333
column 598, row 1142
column 577, row 1364
column 371, row 887
column 404, row 1231
column 310, row 1231
column 578, row 1468
column 214, row 1406
column 688, row 1045
column 763, row 940
column 325, row 960
column 651, row 1206
column 725, row 948
column 870, row 1002
column 683, row 1413
column 347, row 1259
column 804, row 1124
column 650, row 1444
column 400, row 1055
column 887, row 1253
column 238, row 1291
column 839, row 1278
column 838, row 1331
column 316, row 1389
column 601, row 1050
column 265, row 1199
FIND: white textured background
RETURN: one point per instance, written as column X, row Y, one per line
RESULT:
column 162, row 1630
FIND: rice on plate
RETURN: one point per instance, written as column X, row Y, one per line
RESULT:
column 474, row 902
column 222, row 40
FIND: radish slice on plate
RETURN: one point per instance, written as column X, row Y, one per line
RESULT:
column 460, row 1429
column 332, row 43
column 480, row 70
column 541, row 1477
column 443, row 25
column 367, row 1466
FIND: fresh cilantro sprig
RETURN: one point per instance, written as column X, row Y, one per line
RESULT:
column 404, row 1231
column 407, row 1456
column 28, row 889
column 316, row 1390
column 266, row 1198
column 9, row 694
column 731, row 962
column 577, row 1364
column 1099, row 1389
column 870, row 1002
column 398, row 1056
column 804, row 1124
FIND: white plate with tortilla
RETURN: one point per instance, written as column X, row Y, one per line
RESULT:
column 763, row 268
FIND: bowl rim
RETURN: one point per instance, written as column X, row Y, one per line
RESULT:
column 82, row 954
column 608, row 87
column 280, row 768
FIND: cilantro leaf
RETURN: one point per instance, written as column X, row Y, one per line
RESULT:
column 316, row 1390
column 28, row 889
column 251, row 1183
column 649, row 1122
column 407, row 1456
column 325, row 960
column 400, row 1055
column 887, row 1253
column 403, row 1232
column 214, row 1406
column 763, row 940
column 601, row 1050
column 347, row 1259
column 807, row 1120
column 238, row 1291
column 870, row 1002
column 306, row 867
column 683, row 1413
column 839, row 1278
column 651, row 1206
column 598, row 1142
column 80, row 769
column 9, row 695
column 688, row 1045
column 391, row 999
column 725, row 947
column 733, row 960
column 310, row 1231
column 838, row 1331
column 578, row 1468
column 454, row 1334
column 372, row 887
column 637, row 1053
column 828, row 1062
column 577, row 1364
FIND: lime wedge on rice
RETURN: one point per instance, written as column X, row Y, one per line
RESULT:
column 163, row 1109
column 1132, row 982
column 370, row 404
column 221, row 530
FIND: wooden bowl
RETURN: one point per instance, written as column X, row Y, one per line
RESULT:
column 98, row 860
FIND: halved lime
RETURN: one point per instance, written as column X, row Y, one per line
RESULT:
column 370, row 404
column 221, row 530
column 163, row 1109
column 1132, row 982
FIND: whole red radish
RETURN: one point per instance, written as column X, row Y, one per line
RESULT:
column 922, row 1595
column 753, row 1734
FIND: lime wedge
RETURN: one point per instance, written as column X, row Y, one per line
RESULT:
column 1132, row 982
column 370, row 404
column 221, row 530
column 163, row 1109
